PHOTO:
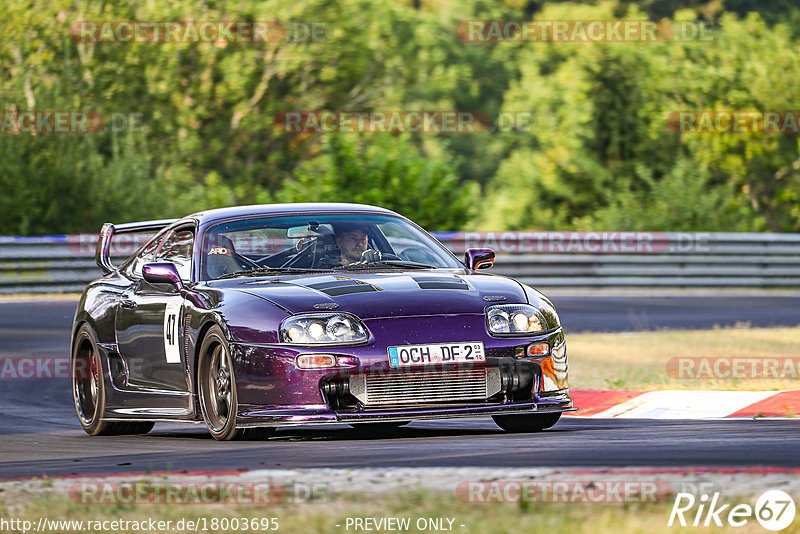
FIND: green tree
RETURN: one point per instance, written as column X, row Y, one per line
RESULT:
column 601, row 146
column 388, row 171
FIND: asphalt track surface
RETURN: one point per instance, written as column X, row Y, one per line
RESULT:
column 39, row 433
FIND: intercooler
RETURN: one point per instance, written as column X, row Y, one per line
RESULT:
column 425, row 386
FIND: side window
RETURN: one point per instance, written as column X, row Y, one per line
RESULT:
column 147, row 255
column 177, row 249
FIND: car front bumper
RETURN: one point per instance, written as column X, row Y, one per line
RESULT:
column 254, row 416
column 272, row 391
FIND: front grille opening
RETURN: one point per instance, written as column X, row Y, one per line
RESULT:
column 424, row 386
column 509, row 381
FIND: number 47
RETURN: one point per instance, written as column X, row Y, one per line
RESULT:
column 171, row 329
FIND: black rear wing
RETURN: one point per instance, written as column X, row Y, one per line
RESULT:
column 109, row 230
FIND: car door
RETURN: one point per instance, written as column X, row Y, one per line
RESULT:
column 149, row 319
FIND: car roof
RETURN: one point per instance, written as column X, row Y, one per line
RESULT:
column 215, row 215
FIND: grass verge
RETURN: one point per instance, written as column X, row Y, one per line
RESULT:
column 332, row 516
column 638, row 360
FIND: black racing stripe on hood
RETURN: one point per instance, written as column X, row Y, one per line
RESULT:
column 444, row 282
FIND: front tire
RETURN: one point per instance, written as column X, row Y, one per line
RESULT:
column 89, row 393
column 217, row 388
column 526, row 423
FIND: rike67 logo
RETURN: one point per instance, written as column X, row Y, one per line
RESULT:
column 774, row 510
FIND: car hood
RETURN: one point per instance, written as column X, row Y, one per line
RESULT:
column 385, row 294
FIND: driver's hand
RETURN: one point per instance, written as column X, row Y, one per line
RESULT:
column 370, row 256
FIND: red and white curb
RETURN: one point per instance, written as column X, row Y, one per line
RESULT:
column 685, row 404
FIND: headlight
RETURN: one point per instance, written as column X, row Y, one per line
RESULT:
column 323, row 329
column 514, row 319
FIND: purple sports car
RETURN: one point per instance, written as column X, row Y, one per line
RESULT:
column 255, row 317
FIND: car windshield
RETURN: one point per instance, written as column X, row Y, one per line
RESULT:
column 319, row 242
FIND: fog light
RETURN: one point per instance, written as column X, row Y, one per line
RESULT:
column 315, row 361
column 539, row 349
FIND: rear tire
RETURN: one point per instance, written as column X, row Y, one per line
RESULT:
column 89, row 393
column 526, row 423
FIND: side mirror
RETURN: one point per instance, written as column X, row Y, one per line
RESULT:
column 163, row 273
column 479, row 258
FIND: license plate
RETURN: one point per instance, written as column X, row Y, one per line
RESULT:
column 407, row 355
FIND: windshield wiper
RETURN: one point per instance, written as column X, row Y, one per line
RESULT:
column 388, row 263
column 265, row 270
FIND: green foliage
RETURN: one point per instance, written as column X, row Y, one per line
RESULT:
column 61, row 183
column 599, row 154
column 682, row 200
column 388, row 171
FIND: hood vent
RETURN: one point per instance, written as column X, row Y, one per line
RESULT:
column 342, row 286
column 442, row 282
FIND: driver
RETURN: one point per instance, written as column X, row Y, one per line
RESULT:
column 353, row 243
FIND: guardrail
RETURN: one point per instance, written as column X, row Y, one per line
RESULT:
column 543, row 259
column 54, row 264
column 640, row 259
